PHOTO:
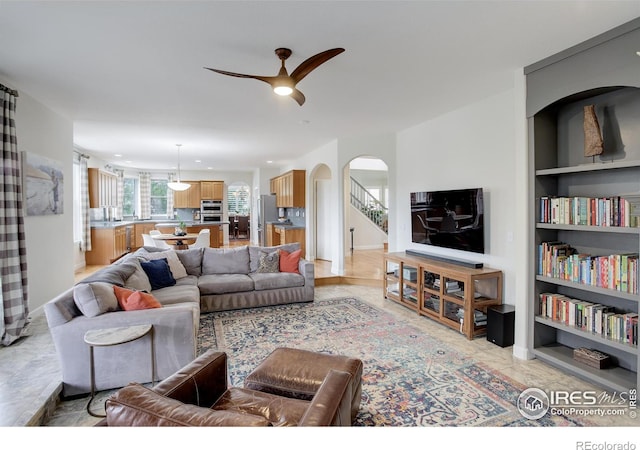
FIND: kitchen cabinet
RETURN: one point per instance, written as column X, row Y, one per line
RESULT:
column 284, row 234
column 289, row 189
column 214, row 230
column 107, row 245
column 212, row 190
column 139, row 230
column 103, row 187
column 189, row 198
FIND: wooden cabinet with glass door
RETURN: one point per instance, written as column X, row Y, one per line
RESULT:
column 453, row 295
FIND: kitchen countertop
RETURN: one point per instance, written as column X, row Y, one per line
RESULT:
column 288, row 225
column 114, row 224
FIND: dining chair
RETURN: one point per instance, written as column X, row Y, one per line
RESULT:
column 243, row 227
column 158, row 242
column 148, row 241
column 203, row 240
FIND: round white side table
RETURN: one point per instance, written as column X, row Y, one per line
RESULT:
column 115, row 336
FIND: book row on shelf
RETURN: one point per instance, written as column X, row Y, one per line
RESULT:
column 588, row 316
column 618, row 272
column 602, row 212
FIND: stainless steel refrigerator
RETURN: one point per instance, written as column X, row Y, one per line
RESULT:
column 267, row 212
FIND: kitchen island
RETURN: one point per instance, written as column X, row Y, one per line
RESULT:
column 285, row 233
column 110, row 240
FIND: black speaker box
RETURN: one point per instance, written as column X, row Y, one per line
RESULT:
column 500, row 324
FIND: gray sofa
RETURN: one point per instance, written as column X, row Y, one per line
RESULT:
column 206, row 280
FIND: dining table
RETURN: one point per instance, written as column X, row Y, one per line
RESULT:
column 178, row 241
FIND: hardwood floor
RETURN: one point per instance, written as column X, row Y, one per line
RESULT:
column 363, row 267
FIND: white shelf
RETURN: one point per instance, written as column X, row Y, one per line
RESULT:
column 615, row 378
column 625, row 347
column 592, row 228
column 589, row 167
column 589, row 288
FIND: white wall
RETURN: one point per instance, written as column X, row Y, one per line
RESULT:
column 366, row 235
column 474, row 146
column 337, row 155
column 50, row 250
column 323, row 156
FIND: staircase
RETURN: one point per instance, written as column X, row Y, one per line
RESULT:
column 368, row 205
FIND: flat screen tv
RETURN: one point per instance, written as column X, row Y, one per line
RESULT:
column 450, row 219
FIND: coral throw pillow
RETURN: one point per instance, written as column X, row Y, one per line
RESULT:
column 133, row 300
column 289, row 261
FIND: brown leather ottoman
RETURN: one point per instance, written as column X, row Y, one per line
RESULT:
column 296, row 373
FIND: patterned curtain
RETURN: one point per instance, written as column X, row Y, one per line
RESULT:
column 119, row 192
column 145, row 195
column 170, row 197
column 84, row 204
column 13, row 251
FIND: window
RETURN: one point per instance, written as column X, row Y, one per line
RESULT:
column 130, row 197
column 238, row 200
column 158, row 197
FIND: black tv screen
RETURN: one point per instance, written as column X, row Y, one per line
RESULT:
column 450, row 219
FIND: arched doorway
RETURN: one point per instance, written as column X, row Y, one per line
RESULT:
column 238, row 204
column 366, row 204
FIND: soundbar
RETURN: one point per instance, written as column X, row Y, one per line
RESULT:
column 459, row 262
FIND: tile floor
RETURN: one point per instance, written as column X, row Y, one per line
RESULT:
column 29, row 373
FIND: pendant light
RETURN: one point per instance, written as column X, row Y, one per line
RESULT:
column 177, row 185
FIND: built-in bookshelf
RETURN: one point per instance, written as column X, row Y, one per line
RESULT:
column 451, row 294
column 585, row 235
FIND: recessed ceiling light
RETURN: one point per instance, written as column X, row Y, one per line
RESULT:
column 128, row 162
column 198, row 161
column 638, row 53
column 117, row 155
column 269, row 162
column 210, row 168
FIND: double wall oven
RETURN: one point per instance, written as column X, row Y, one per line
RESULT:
column 210, row 211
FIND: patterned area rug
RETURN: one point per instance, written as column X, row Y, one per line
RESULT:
column 409, row 379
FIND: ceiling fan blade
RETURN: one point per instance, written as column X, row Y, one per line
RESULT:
column 311, row 63
column 298, row 96
column 269, row 80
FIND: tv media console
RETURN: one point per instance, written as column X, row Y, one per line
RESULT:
column 451, row 294
column 459, row 262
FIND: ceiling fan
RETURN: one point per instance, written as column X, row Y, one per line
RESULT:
column 283, row 83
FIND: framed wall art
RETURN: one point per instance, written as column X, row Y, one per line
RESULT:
column 43, row 185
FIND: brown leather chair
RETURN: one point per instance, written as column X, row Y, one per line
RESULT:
column 198, row 395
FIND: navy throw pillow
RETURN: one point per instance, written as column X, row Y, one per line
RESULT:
column 159, row 274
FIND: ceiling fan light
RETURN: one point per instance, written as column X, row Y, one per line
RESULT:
column 282, row 90
column 178, row 186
